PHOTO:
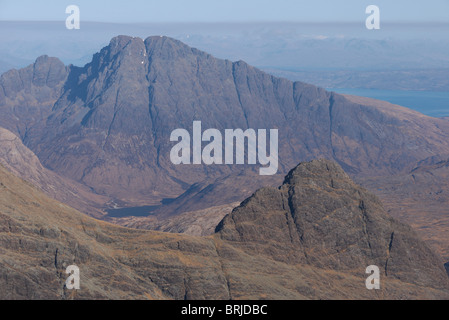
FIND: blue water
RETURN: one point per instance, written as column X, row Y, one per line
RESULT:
column 143, row 211
column 434, row 104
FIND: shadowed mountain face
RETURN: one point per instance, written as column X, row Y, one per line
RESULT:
column 27, row 95
column 312, row 238
column 108, row 124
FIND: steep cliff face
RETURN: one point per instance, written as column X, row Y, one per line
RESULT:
column 319, row 217
column 310, row 239
column 108, row 124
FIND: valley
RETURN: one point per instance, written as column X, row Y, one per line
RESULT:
column 272, row 246
column 94, row 142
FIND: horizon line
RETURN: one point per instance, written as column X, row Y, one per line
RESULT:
column 389, row 22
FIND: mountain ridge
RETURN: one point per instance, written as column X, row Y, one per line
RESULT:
column 135, row 92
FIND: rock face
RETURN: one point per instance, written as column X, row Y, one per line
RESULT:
column 312, row 238
column 321, row 218
column 108, row 124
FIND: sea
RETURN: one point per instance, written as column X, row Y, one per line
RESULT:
column 431, row 103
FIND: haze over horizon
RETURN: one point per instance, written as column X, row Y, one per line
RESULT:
column 226, row 11
column 324, row 43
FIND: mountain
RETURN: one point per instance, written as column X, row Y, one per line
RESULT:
column 27, row 95
column 107, row 124
column 324, row 53
column 311, row 238
column 103, row 132
column 24, row 163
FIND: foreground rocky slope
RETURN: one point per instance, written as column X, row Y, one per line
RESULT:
column 312, row 238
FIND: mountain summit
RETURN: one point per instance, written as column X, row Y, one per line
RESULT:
column 320, row 217
column 107, row 125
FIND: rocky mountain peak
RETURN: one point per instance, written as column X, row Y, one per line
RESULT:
column 128, row 46
column 45, row 71
column 321, row 218
column 48, row 71
column 142, row 51
column 108, row 124
column 317, row 172
column 121, row 51
column 27, row 95
column 167, row 47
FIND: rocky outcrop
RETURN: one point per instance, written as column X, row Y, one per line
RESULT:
column 310, row 239
column 319, row 217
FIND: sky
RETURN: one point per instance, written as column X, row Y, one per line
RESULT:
column 148, row 11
